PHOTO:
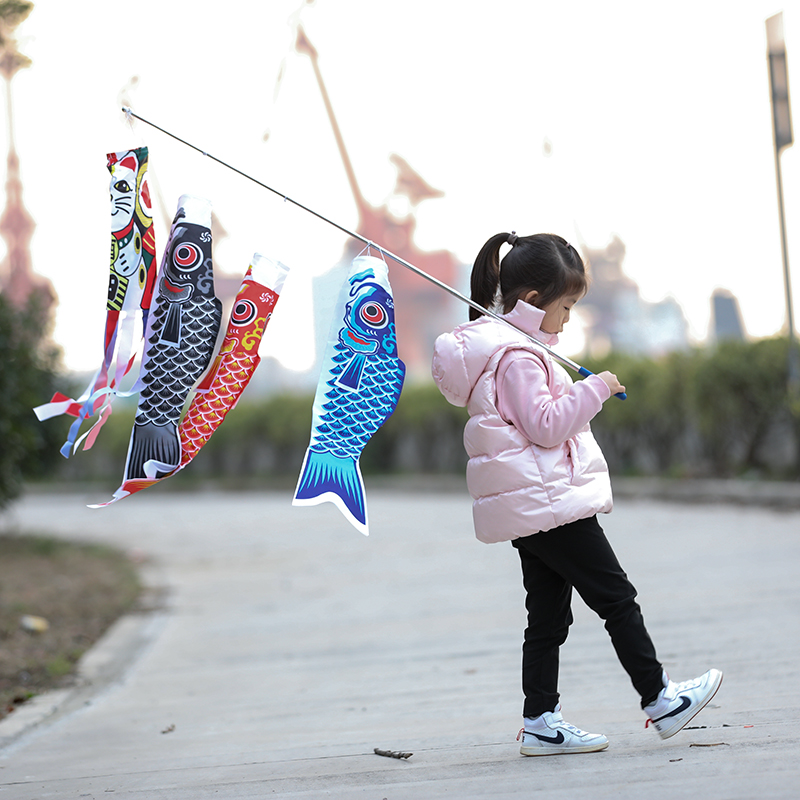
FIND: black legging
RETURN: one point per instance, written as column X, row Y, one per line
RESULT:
column 553, row 562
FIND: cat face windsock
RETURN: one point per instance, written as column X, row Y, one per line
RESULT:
column 358, row 390
column 133, row 273
column 130, row 290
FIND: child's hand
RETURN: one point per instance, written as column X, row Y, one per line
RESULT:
column 611, row 381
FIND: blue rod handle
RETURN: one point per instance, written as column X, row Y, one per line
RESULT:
column 585, row 372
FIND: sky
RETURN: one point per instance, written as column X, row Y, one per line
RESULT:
column 646, row 121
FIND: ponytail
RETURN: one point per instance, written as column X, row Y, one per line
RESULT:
column 485, row 276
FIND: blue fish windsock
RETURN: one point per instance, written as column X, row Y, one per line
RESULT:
column 358, row 390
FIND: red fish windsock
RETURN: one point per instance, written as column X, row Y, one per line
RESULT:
column 238, row 356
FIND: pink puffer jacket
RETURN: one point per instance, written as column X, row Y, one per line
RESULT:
column 522, row 484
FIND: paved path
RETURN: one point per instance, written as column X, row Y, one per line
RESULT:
column 289, row 646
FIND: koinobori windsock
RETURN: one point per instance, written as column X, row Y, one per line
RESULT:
column 180, row 339
column 238, row 356
column 130, row 291
column 358, row 390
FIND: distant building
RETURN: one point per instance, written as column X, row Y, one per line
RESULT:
column 726, row 319
column 617, row 318
column 18, row 282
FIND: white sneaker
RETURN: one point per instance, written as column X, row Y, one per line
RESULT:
column 678, row 703
column 549, row 735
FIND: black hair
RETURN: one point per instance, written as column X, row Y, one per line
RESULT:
column 544, row 262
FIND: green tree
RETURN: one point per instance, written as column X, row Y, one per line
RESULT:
column 12, row 13
column 27, row 377
column 739, row 394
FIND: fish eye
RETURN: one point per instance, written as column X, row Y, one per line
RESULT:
column 374, row 315
column 244, row 312
column 187, row 257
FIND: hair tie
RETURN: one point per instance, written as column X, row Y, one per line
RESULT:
column 512, row 238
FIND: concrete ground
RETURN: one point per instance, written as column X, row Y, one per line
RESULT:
column 285, row 647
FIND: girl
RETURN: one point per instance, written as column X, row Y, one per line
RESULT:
column 538, row 479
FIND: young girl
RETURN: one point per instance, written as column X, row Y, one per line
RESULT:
column 538, row 479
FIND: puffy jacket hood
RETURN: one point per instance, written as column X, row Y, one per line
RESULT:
column 483, row 338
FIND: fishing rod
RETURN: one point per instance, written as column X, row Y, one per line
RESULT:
column 447, row 288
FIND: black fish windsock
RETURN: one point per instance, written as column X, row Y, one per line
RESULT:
column 180, row 339
column 358, row 390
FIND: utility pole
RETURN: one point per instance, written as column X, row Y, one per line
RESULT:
column 782, row 137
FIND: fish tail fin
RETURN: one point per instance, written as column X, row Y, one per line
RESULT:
column 149, row 442
column 325, row 477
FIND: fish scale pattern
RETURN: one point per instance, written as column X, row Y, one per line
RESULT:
column 351, row 418
column 173, row 372
column 203, row 418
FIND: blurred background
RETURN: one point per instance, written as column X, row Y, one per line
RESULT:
column 642, row 135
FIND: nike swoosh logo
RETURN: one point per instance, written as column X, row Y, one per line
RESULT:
column 685, row 703
column 550, row 739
